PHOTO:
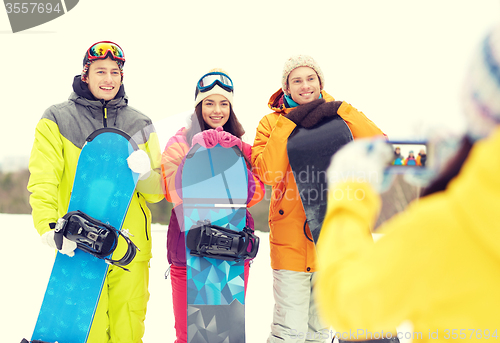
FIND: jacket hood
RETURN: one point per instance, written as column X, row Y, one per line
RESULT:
column 277, row 104
column 81, row 89
column 82, row 96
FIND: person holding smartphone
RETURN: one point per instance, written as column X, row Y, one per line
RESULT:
column 437, row 263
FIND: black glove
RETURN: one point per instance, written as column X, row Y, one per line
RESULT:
column 328, row 109
column 298, row 114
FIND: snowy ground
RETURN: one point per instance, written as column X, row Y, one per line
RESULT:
column 27, row 265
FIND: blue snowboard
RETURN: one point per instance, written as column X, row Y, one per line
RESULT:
column 309, row 153
column 215, row 188
column 103, row 188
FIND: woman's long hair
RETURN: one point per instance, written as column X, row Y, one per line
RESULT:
column 451, row 170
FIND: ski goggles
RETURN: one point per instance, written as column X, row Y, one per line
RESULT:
column 208, row 81
column 101, row 50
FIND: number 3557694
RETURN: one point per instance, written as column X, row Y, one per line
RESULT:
column 32, row 7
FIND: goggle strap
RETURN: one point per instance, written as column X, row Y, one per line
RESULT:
column 216, row 83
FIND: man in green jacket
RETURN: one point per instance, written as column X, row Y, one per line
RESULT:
column 98, row 100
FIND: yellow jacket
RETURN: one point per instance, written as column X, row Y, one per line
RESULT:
column 438, row 264
column 290, row 249
column 59, row 138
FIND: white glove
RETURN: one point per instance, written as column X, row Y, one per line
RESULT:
column 68, row 247
column 139, row 162
column 362, row 160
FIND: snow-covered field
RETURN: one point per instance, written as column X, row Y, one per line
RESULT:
column 27, row 264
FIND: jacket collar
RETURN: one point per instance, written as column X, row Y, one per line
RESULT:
column 277, row 104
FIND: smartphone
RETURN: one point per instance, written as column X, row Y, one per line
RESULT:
column 408, row 154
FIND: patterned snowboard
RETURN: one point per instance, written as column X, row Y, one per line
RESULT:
column 309, row 152
column 103, row 188
column 214, row 187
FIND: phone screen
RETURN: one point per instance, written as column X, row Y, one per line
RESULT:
column 408, row 155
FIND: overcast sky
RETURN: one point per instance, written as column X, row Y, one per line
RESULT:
column 400, row 62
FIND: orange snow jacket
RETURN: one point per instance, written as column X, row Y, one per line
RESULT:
column 290, row 249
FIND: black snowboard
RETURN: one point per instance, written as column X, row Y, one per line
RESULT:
column 309, row 153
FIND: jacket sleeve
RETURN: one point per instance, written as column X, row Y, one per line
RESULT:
column 46, row 166
column 172, row 157
column 151, row 187
column 256, row 189
column 360, row 125
column 344, row 237
column 386, row 281
column 269, row 155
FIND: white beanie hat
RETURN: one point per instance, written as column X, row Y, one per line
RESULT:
column 200, row 96
column 296, row 62
column 481, row 93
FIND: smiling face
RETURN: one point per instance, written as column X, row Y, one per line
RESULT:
column 215, row 110
column 104, row 79
column 304, row 85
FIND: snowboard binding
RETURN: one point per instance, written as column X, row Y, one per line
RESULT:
column 94, row 237
column 207, row 240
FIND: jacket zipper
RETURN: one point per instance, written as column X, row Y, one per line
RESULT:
column 105, row 116
column 145, row 219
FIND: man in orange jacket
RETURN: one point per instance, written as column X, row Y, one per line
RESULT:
column 301, row 101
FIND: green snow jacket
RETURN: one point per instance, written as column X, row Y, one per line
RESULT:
column 59, row 138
